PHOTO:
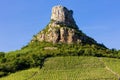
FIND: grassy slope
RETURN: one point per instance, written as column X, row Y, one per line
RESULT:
column 67, row 68
column 21, row 75
column 113, row 64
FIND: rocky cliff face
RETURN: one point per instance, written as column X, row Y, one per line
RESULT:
column 61, row 15
column 62, row 29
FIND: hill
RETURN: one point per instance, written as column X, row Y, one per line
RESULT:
column 71, row 68
column 60, row 38
column 62, row 28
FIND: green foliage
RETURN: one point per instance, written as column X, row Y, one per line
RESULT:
column 2, row 54
column 22, row 63
column 113, row 64
column 66, row 68
column 34, row 54
column 21, row 75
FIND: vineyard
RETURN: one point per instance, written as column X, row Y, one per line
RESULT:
column 71, row 68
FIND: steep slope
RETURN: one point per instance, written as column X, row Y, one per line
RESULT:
column 62, row 29
column 67, row 68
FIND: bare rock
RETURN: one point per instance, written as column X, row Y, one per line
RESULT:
column 62, row 28
column 61, row 15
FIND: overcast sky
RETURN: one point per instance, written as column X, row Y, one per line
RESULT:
column 21, row 19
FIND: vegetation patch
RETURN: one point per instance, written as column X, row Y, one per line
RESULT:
column 66, row 68
column 34, row 55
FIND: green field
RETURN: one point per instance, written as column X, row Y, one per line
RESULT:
column 113, row 64
column 71, row 68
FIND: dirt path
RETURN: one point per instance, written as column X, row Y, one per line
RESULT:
column 35, row 73
column 107, row 68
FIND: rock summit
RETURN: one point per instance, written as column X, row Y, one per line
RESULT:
column 62, row 28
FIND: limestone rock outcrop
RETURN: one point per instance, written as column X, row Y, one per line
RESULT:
column 61, row 15
column 62, row 29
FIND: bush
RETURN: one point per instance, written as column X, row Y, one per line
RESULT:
column 2, row 54
column 22, row 63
